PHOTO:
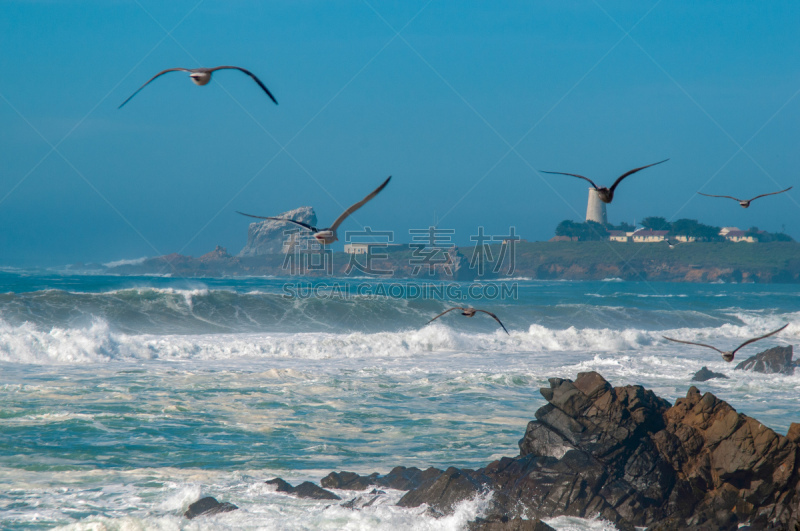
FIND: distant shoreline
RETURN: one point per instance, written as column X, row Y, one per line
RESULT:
column 774, row 262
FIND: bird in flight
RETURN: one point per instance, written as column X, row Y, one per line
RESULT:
column 606, row 195
column 201, row 76
column 671, row 243
column 728, row 355
column 469, row 312
column 746, row 203
column 328, row 235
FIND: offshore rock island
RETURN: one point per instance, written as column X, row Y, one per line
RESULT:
column 620, row 453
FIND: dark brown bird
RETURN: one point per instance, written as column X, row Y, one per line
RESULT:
column 746, row 203
column 469, row 312
column 201, row 76
column 606, row 195
column 328, row 235
column 728, row 355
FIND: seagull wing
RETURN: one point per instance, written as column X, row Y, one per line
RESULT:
column 572, row 175
column 692, row 343
column 725, row 196
column 309, row 227
column 249, row 73
column 495, row 318
column 151, row 79
column 444, row 312
column 772, row 193
column 619, row 179
column 759, row 338
column 358, row 205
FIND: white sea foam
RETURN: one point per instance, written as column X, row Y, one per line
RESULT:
column 134, row 261
column 98, row 343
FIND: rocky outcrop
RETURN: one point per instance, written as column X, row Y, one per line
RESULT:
column 704, row 374
column 505, row 523
column 218, row 254
column 303, row 490
column 208, row 506
column 274, row 237
column 627, row 455
column 400, row 478
column 777, row 360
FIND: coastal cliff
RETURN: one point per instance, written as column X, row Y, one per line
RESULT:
column 694, row 262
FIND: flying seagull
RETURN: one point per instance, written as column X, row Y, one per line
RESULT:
column 201, row 76
column 746, row 203
column 671, row 243
column 328, row 236
column 727, row 355
column 606, row 195
column 469, row 312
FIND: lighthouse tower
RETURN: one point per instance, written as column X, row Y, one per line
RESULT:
column 596, row 209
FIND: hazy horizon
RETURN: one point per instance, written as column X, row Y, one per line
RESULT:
column 463, row 104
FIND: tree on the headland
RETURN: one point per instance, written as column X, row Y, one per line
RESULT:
column 656, row 223
column 691, row 228
column 584, row 232
column 764, row 236
column 624, row 227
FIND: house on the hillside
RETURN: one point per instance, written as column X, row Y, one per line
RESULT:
column 734, row 234
column 685, row 239
column 618, row 235
column 364, row 247
column 648, row 235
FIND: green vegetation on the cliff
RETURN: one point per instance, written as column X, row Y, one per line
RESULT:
column 692, row 262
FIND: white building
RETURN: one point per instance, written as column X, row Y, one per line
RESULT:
column 596, row 209
column 647, row 235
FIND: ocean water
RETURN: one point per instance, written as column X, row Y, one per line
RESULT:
column 125, row 399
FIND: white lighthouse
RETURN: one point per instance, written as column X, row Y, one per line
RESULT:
column 595, row 209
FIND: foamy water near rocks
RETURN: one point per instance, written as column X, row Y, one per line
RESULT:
column 625, row 455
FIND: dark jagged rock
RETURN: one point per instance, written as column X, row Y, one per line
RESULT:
column 208, row 506
column 444, row 492
column 348, row 480
column 777, row 360
column 400, row 478
column 705, row 374
column 626, row 455
column 359, row 502
column 303, row 490
column 505, row 523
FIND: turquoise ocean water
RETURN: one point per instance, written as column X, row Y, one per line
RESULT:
column 124, row 399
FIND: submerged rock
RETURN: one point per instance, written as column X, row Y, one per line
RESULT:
column 208, row 506
column 777, row 360
column 704, row 374
column 626, row 455
column 504, row 523
column 400, row 478
column 303, row 490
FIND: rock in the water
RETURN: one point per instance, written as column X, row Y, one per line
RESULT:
column 504, row 523
column 273, row 237
column 629, row 457
column 400, row 478
column 303, row 490
column 208, row 506
column 705, row 374
column 445, row 491
column 359, row 502
column 348, row 480
column 775, row 360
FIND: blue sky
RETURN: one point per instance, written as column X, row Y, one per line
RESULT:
column 461, row 102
